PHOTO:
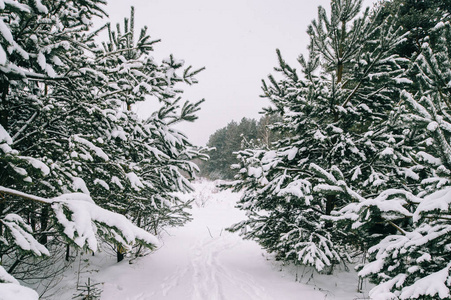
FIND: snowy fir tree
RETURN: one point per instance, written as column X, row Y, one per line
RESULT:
column 418, row 19
column 78, row 165
column 415, row 263
column 338, row 112
column 366, row 166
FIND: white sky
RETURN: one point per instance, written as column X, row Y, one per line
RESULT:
column 235, row 40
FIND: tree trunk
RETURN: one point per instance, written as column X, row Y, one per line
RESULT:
column 44, row 219
column 120, row 253
column 67, row 252
column 15, row 264
column 340, row 64
column 330, row 204
column 32, row 217
column 339, row 71
column 4, row 88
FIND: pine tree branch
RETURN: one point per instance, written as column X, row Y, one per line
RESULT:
column 122, row 50
column 362, row 78
column 48, row 123
column 37, row 77
column 438, row 78
column 352, row 93
column 438, row 217
column 13, row 192
column 397, row 227
column 444, row 98
column 25, row 126
column 109, row 94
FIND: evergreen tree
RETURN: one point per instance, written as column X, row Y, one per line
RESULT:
column 343, row 139
column 217, row 163
column 266, row 133
column 418, row 19
column 414, row 264
column 66, row 127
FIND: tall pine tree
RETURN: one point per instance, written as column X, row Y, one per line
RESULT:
column 68, row 138
column 339, row 114
column 414, row 264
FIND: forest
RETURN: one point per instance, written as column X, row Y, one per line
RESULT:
column 351, row 158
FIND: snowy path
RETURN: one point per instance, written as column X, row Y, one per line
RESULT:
column 203, row 261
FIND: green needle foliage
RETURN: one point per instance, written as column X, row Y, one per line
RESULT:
column 366, row 166
column 77, row 164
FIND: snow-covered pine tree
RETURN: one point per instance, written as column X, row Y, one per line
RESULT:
column 415, row 263
column 149, row 154
column 64, row 129
column 418, row 19
column 338, row 114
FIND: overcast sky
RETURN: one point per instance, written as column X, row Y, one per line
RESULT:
column 235, row 40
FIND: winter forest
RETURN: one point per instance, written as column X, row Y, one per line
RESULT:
column 348, row 169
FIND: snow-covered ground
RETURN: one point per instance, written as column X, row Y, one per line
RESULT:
column 203, row 261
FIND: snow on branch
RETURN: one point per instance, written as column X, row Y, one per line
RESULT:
column 438, row 201
column 13, row 192
column 318, row 251
column 431, row 285
column 10, row 288
column 81, row 220
column 21, row 234
column 329, row 178
column 80, row 225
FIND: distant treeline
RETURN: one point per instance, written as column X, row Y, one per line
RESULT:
column 248, row 133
